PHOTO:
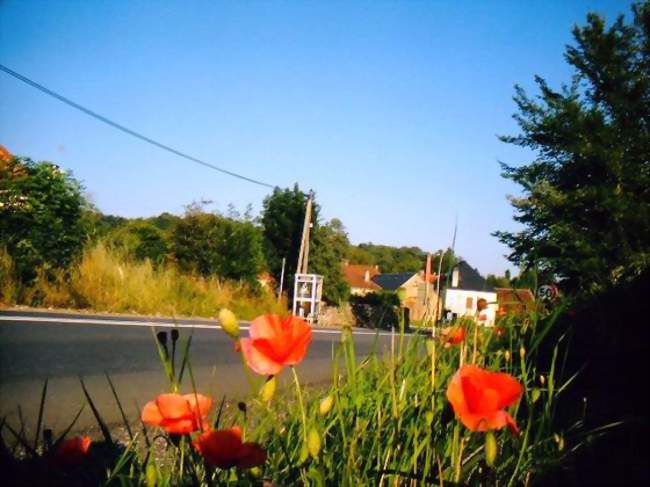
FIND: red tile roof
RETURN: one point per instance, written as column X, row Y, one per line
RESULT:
column 355, row 276
column 515, row 301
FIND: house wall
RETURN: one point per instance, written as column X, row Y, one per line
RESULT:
column 456, row 301
column 414, row 297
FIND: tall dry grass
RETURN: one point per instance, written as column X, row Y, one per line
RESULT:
column 106, row 279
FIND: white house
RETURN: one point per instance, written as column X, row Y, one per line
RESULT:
column 466, row 288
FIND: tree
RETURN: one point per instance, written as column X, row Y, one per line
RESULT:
column 41, row 215
column 585, row 205
column 142, row 239
column 282, row 220
column 211, row 244
column 329, row 246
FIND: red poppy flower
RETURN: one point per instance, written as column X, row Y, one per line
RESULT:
column 224, row 449
column 499, row 331
column 453, row 336
column 178, row 414
column 275, row 343
column 73, row 451
column 479, row 398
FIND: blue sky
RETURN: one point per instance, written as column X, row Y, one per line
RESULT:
column 388, row 110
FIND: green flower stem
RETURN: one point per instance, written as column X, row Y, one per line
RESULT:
column 300, row 403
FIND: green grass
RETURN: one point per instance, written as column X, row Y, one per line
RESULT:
column 105, row 279
column 389, row 424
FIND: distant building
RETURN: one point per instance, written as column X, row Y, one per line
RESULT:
column 360, row 278
column 514, row 301
column 467, row 286
column 415, row 294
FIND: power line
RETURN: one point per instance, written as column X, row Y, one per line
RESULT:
column 126, row 130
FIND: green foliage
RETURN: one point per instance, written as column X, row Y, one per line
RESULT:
column 214, row 245
column 498, row 281
column 399, row 259
column 143, row 240
column 41, row 216
column 282, row 221
column 585, row 205
column 376, row 310
column 329, row 246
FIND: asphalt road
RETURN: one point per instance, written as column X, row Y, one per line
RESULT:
column 63, row 347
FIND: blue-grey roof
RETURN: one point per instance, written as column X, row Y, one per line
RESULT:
column 470, row 280
column 392, row 282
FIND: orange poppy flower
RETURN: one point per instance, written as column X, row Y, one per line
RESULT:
column 224, row 449
column 453, row 336
column 275, row 343
column 479, row 398
column 178, row 414
column 73, row 451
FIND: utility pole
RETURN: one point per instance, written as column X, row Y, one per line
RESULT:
column 303, row 255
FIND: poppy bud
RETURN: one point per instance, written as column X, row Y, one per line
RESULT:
column 151, row 474
column 229, row 322
column 535, row 395
column 241, row 406
column 326, row 405
column 174, row 335
column 268, row 389
column 255, row 472
column 304, row 453
column 491, row 448
column 162, row 338
column 522, row 352
column 542, row 379
column 428, row 418
column 313, row 442
column 506, row 355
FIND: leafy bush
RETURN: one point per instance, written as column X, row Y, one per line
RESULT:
column 41, row 216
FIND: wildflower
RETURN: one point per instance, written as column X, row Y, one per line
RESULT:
column 275, row 343
column 224, row 449
column 453, row 335
column 72, row 451
column 229, row 322
column 178, row 414
column 499, row 331
column 479, row 398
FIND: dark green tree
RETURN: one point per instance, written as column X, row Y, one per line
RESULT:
column 41, row 215
column 329, row 247
column 282, row 220
column 585, row 202
column 142, row 239
column 211, row 244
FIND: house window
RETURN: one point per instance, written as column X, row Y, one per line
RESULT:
column 469, row 303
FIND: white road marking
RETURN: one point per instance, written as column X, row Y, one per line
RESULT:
column 91, row 321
